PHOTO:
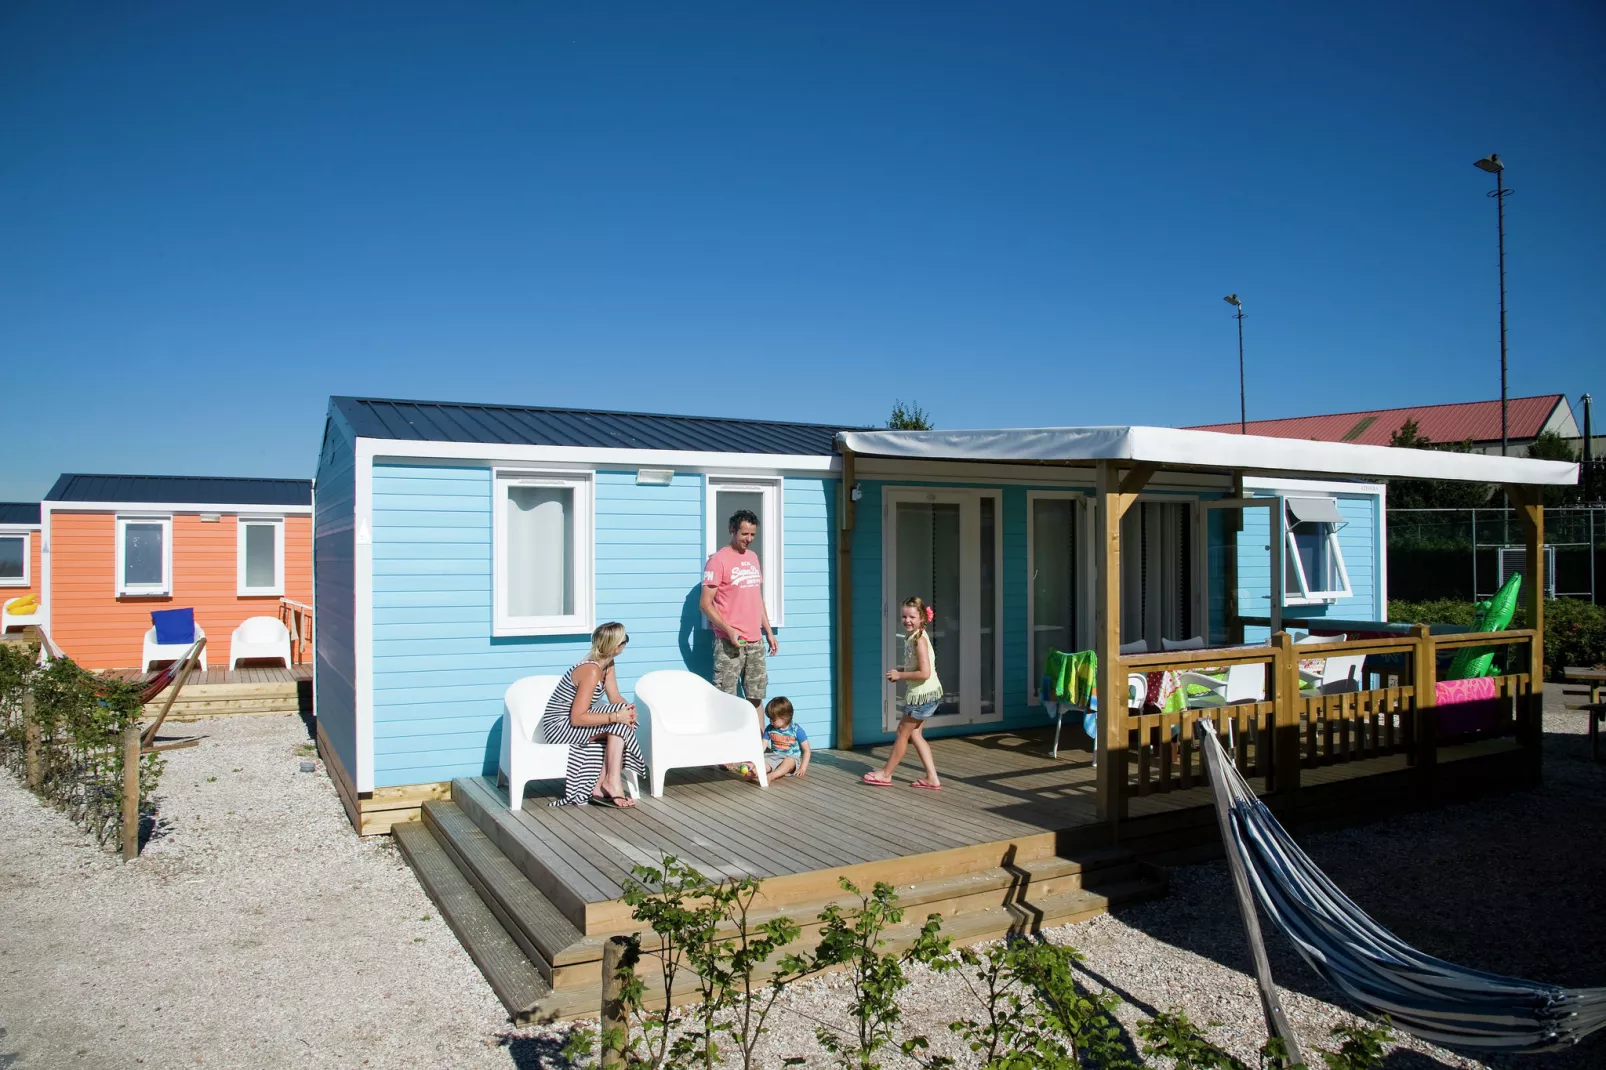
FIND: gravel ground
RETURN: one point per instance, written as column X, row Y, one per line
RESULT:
column 256, row 931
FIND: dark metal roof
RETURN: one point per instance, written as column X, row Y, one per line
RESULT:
column 190, row 490
column 450, row 421
column 19, row 512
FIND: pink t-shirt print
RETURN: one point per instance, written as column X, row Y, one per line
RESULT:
column 738, row 584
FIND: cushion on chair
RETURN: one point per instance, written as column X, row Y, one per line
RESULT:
column 174, row 626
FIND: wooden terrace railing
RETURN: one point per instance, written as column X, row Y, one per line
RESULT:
column 298, row 618
column 1291, row 729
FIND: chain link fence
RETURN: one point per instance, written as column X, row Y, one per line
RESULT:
column 1467, row 554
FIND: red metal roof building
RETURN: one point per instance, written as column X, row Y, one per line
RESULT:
column 1478, row 421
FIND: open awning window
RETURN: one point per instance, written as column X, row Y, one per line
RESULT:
column 1314, row 511
column 1313, row 561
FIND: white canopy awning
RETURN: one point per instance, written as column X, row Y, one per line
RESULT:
column 1171, row 447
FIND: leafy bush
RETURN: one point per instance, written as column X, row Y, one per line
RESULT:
column 1575, row 631
column 77, row 720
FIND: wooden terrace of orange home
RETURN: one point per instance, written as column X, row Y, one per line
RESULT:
column 1020, row 839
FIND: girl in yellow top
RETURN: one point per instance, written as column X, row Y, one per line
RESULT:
column 922, row 694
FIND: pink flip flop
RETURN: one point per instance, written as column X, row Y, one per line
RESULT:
column 926, row 784
column 876, row 780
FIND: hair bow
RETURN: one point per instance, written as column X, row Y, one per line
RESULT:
column 931, row 614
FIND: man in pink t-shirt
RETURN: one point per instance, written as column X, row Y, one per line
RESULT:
column 733, row 602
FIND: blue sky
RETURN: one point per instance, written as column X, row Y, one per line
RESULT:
column 215, row 215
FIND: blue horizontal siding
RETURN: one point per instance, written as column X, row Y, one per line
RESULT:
column 439, row 674
column 1357, row 540
column 334, row 595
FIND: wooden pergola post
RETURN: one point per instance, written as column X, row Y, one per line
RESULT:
column 1114, row 496
column 1529, row 503
column 844, row 604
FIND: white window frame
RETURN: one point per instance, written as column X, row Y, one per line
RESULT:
column 771, row 524
column 1078, row 501
column 582, row 564
column 277, row 588
column 27, row 559
column 144, row 590
column 1305, row 596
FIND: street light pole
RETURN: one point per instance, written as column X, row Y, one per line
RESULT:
column 1243, row 411
column 1491, row 163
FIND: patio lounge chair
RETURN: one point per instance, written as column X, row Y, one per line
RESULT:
column 526, row 755
column 10, row 620
column 690, row 722
column 156, row 651
column 259, row 637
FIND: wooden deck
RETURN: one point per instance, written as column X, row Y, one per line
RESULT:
column 1001, row 789
column 1011, row 843
column 217, row 691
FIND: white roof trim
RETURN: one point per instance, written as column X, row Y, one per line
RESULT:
column 1170, row 446
column 598, row 457
column 55, row 506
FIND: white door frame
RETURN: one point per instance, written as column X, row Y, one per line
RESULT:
column 969, row 502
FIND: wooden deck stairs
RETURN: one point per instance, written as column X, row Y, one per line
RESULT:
column 519, row 910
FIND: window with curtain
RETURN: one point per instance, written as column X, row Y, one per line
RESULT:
column 1052, row 566
column 14, row 560
column 762, row 498
column 543, row 554
column 144, row 556
column 1157, row 572
column 261, row 557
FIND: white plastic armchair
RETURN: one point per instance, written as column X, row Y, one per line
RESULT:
column 10, row 620
column 259, row 637
column 1339, row 674
column 1243, row 683
column 155, row 651
column 526, row 755
column 690, row 723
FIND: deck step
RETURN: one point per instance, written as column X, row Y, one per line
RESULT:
column 544, row 933
column 512, row 976
column 582, row 1000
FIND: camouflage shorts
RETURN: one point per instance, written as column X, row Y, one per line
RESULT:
column 746, row 664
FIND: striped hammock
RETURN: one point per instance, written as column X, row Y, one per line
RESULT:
column 1374, row 969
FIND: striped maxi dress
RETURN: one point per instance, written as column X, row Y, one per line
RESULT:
column 585, row 750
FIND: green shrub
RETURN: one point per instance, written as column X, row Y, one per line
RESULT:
column 1575, row 630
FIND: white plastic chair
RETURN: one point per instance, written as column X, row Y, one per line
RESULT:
column 1339, row 674
column 1194, row 642
column 693, row 723
column 1136, row 646
column 155, row 651
column 259, row 637
column 526, row 755
column 10, row 620
column 1243, row 683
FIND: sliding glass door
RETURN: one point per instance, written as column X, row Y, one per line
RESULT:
column 943, row 546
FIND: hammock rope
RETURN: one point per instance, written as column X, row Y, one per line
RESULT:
column 1376, row 970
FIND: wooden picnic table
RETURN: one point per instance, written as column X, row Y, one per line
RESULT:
column 1595, row 708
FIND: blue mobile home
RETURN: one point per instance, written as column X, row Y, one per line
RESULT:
column 459, row 547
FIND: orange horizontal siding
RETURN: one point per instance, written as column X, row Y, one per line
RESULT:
column 101, row 631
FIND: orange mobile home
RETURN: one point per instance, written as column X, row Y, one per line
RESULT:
column 20, row 574
column 118, row 547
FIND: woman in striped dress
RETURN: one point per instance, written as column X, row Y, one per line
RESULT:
column 601, row 734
